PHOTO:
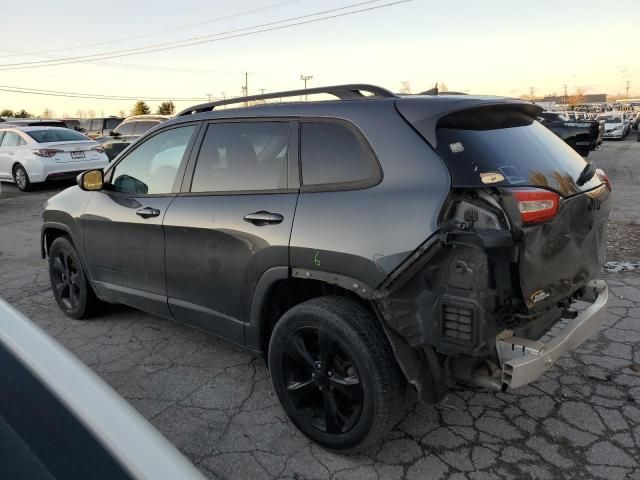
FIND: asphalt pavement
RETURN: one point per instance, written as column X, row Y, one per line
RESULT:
column 215, row 402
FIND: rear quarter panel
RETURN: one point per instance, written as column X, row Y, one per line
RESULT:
column 365, row 234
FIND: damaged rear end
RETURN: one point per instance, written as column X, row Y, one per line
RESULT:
column 521, row 241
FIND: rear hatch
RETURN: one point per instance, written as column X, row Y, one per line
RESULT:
column 500, row 146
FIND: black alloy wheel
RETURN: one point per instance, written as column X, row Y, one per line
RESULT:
column 66, row 279
column 335, row 374
column 322, row 381
column 69, row 283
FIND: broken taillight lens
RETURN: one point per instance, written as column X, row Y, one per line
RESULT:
column 536, row 205
column 604, row 178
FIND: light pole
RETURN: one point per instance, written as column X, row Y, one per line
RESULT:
column 305, row 79
column 209, row 96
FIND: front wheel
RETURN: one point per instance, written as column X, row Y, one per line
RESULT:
column 70, row 286
column 335, row 374
column 21, row 178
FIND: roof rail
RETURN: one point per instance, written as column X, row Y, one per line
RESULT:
column 343, row 92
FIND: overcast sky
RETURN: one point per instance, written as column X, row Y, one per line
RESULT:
column 492, row 47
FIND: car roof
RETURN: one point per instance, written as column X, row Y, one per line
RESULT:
column 146, row 117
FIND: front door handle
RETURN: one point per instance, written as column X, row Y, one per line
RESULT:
column 148, row 212
column 263, row 218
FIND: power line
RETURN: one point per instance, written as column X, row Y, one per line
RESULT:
column 91, row 96
column 194, row 41
column 157, row 32
column 174, row 44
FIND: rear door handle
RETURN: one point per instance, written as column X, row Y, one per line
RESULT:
column 263, row 218
column 148, row 212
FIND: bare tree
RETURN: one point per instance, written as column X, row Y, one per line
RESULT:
column 47, row 114
column 577, row 98
column 92, row 113
column 81, row 114
column 122, row 113
column 442, row 87
column 405, row 86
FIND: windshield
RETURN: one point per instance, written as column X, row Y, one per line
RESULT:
column 506, row 147
column 609, row 119
column 56, row 135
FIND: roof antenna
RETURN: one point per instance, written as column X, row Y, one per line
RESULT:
column 431, row 91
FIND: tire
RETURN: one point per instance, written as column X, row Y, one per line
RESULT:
column 21, row 178
column 69, row 283
column 335, row 374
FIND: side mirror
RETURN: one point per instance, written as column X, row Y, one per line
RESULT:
column 91, row 180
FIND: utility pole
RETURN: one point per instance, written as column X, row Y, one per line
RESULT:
column 224, row 95
column 531, row 92
column 209, row 96
column 565, row 94
column 628, row 85
column 305, row 79
column 245, row 89
column 262, row 90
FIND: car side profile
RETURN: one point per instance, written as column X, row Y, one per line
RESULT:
column 360, row 244
column 30, row 155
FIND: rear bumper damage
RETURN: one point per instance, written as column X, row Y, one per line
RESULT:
column 522, row 361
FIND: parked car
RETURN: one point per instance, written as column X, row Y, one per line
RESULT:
column 127, row 132
column 634, row 119
column 615, row 125
column 581, row 135
column 98, row 127
column 59, row 420
column 359, row 244
column 33, row 123
column 31, row 155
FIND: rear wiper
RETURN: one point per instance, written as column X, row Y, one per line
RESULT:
column 587, row 174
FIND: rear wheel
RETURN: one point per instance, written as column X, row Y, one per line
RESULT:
column 335, row 374
column 21, row 178
column 69, row 282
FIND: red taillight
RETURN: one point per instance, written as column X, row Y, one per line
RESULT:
column 604, row 178
column 98, row 149
column 536, row 205
column 46, row 152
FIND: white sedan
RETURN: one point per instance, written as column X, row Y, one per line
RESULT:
column 614, row 125
column 31, row 155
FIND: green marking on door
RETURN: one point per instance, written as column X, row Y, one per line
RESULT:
column 316, row 259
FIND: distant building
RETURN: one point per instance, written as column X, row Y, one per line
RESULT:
column 588, row 98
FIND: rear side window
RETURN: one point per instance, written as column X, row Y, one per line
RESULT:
column 125, row 128
column 332, row 153
column 96, row 124
column 507, row 147
column 242, row 156
column 141, row 127
column 12, row 139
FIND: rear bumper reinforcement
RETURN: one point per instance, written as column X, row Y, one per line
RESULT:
column 523, row 361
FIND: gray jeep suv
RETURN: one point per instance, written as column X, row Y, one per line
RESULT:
column 359, row 244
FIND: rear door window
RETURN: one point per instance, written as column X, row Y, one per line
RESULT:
column 96, row 124
column 243, row 156
column 506, row 147
column 334, row 154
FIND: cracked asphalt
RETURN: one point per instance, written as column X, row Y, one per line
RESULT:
column 215, row 402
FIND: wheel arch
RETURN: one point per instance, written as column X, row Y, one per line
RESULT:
column 50, row 231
